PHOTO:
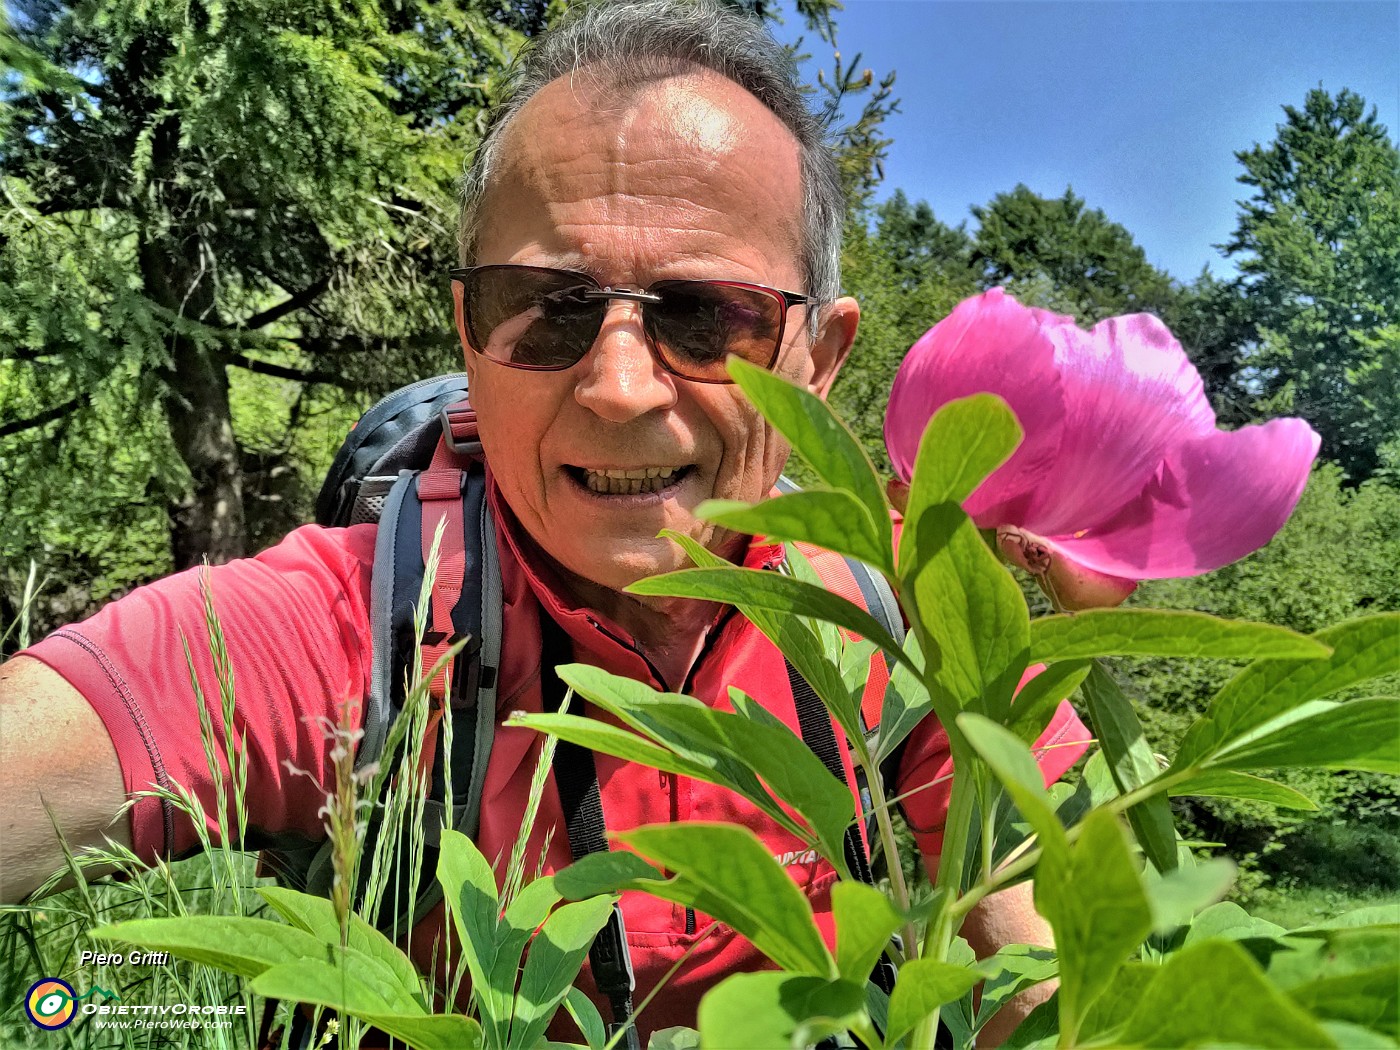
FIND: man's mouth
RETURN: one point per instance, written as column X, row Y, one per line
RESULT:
column 632, row 481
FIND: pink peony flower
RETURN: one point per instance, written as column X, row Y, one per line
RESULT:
column 1122, row 475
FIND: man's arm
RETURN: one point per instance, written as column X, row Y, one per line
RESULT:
column 53, row 749
column 1008, row 917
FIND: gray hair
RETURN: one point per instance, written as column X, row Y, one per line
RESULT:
column 635, row 41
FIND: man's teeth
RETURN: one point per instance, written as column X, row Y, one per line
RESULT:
column 630, row 482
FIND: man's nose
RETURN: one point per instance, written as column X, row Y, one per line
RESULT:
column 622, row 379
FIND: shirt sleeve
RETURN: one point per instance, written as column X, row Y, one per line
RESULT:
column 295, row 626
column 926, row 769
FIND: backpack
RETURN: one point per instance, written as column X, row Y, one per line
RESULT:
column 411, row 462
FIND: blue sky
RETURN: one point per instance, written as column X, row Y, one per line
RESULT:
column 1140, row 106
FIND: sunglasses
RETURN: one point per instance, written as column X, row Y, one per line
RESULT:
column 545, row 320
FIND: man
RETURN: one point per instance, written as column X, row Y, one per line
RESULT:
column 642, row 144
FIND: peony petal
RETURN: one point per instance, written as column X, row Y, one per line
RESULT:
column 1217, row 498
column 988, row 343
column 1130, row 396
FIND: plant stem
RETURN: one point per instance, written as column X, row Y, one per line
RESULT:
column 988, row 814
column 942, row 928
column 887, row 839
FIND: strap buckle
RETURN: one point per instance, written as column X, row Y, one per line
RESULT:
column 459, row 430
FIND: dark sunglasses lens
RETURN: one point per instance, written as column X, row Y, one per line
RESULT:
column 698, row 324
column 531, row 318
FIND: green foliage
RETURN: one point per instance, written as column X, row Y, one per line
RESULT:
column 1318, row 245
column 1334, row 559
column 904, row 283
column 308, row 958
column 1116, row 925
column 1056, row 253
column 224, row 225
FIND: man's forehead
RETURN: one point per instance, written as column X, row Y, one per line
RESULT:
column 696, row 112
column 689, row 152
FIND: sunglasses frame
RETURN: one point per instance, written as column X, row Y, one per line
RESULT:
column 595, row 290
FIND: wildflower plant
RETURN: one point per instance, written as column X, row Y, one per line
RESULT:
column 1143, row 948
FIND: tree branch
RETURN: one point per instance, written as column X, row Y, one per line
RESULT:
column 294, row 302
column 283, row 372
column 45, row 417
column 357, row 344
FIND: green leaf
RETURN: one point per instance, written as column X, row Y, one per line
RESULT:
column 1234, row 1004
column 523, row 916
column 1010, row 759
column 770, row 1009
column 702, row 556
column 754, row 588
column 1038, row 699
column 556, row 956
column 1346, row 974
column 1015, row 967
column 922, row 987
column 350, row 981
column 906, row 702
column 1228, row 921
column 1359, row 734
column 237, row 944
column 1039, row 1028
column 1354, row 1037
column 609, row 872
column 324, row 984
column 677, row 1038
column 865, row 919
column 1365, row 997
column 589, row 1020
column 796, row 638
column 964, row 442
column 1096, row 633
column 1361, row 649
column 967, row 602
column 834, row 521
column 1178, row 895
column 1132, row 764
column 316, row 915
column 731, row 750
column 1224, row 783
column 469, row 890
column 819, row 437
column 1093, row 898
column 725, row 871
column 610, row 740
column 1117, row 1003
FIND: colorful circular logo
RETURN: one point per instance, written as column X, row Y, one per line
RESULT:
column 49, row 1003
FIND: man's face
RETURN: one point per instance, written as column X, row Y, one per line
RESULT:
column 689, row 177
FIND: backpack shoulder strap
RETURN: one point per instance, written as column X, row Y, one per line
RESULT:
column 580, row 796
column 465, row 602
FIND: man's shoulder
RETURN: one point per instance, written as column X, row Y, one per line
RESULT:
column 348, row 551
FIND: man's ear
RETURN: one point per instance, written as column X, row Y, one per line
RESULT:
column 833, row 343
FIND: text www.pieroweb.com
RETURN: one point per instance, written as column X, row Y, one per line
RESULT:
column 166, row 1016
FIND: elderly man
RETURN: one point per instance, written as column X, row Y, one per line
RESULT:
column 655, row 188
